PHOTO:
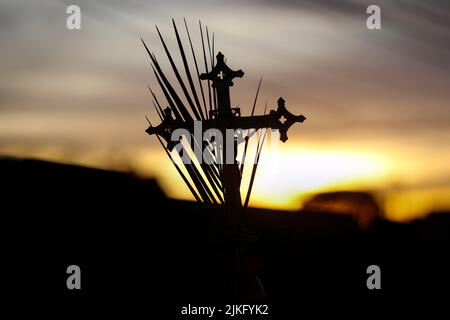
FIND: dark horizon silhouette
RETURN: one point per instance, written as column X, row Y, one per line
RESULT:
column 132, row 241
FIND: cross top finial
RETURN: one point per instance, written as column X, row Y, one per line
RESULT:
column 221, row 74
column 222, row 79
column 220, row 57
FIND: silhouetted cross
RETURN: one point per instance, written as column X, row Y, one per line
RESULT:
column 221, row 76
column 226, row 175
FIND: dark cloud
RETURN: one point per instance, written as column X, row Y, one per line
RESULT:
column 424, row 24
column 342, row 6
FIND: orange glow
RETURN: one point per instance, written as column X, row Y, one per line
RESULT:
column 287, row 175
column 292, row 172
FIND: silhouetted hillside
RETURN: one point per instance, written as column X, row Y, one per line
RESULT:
column 133, row 243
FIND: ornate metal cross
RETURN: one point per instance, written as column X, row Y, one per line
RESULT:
column 226, row 117
column 222, row 183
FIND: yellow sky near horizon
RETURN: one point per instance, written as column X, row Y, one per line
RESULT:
column 289, row 175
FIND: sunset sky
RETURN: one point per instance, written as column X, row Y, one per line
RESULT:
column 376, row 101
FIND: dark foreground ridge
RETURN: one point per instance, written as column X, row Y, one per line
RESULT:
column 138, row 248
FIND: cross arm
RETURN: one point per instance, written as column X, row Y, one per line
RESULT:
column 280, row 119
